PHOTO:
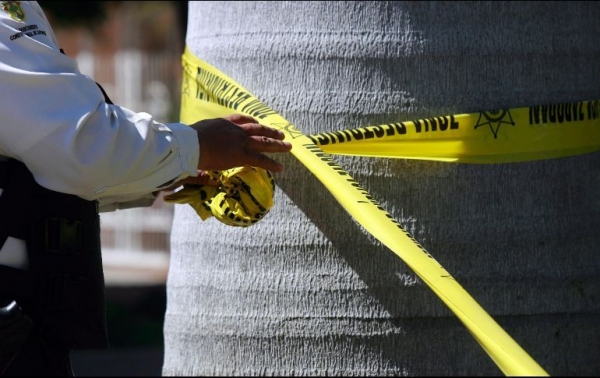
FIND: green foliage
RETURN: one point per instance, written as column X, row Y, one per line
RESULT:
column 88, row 14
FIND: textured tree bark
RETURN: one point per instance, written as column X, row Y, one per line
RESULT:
column 307, row 291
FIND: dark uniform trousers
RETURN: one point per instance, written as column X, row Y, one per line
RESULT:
column 57, row 304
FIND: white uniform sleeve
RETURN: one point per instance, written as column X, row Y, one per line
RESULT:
column 56, row 121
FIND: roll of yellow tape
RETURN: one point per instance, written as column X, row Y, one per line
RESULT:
column 243, row 196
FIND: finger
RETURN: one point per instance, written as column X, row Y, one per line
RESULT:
column 263, row 161
column 264, row 144
column 240, row 119
column 256, row 129
column 203, row 178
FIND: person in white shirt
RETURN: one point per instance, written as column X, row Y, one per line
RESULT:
column 60, row 135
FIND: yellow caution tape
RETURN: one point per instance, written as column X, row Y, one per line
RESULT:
column 508, row 135
column 243, row 196
column 208, row 93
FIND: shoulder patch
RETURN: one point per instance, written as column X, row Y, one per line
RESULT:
column 14, row 10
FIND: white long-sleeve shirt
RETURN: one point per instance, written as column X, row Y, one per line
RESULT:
column 56, row 121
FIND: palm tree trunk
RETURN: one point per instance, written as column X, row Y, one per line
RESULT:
column 306, row 291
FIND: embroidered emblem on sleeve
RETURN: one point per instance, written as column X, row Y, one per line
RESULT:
column 14, row 10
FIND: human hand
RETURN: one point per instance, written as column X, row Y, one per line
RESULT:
column 203, row 178
column 238, row 140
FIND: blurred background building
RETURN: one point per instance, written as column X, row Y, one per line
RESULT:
column 133, row 50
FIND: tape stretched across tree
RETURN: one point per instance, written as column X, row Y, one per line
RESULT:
column 306, row 290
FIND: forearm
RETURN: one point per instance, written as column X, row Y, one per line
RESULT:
column 81, row 145
column 114, row 152
column 57, row 122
